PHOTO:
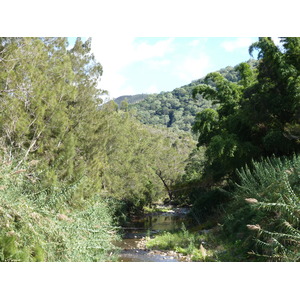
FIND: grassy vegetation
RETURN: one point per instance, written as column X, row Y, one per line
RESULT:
column 193, row 245
column 41, row 226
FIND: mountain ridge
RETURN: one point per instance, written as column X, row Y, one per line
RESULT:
column 175, row 108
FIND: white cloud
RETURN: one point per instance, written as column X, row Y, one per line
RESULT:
column 112, row 81
column 237, row 44
column 155, row 64
column 193, row 68
column 194, row 43
column 145, row 51
column 152, row 89
column 198, row 42
column 115, row 53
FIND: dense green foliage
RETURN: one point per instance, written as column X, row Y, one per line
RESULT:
column 141, row 163
column 71, row 167
column 49, row 105
column 254, row 115
column 177, row 109
column 41, row 226
column 87, row 163
column 59, row 123
column 264, row 215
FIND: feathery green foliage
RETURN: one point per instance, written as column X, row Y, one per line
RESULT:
column 50, row 112
column 265, row 212
column 33, row 228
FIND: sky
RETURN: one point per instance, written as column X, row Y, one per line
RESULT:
column 155, row 64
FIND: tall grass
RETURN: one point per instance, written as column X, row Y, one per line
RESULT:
column 40, row 225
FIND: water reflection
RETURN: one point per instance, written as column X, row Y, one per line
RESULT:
column 148, row 226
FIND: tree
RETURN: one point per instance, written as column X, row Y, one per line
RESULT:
column 49, row 106
column 124, row 105
column 254, row 116
column 223, row 131
column 141, row 162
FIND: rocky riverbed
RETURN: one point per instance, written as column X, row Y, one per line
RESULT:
column 142, row 228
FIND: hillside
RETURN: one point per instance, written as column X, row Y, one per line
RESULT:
column 176, row 109
column 131, row 99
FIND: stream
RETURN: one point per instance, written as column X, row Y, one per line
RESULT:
column 135, row 231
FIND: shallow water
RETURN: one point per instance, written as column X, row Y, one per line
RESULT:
column 149, row 226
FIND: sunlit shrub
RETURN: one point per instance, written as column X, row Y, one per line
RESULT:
column 265, row 212
column 41, row 226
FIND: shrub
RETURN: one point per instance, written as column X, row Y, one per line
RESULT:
column 207, row 202
column 41, row 226
column 266, row 207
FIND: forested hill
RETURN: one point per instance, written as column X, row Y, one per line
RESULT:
column 176, row 109
column 130, row 99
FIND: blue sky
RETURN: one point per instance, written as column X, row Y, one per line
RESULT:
column 151, row 65
column 155, row 64
column 135, row 65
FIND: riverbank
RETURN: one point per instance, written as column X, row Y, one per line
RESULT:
column 168, row 233
column 144, row 227
column 165, row 254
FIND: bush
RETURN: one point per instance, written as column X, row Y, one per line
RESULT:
column 207, row 202
column 265, row 210
column 41, row 226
